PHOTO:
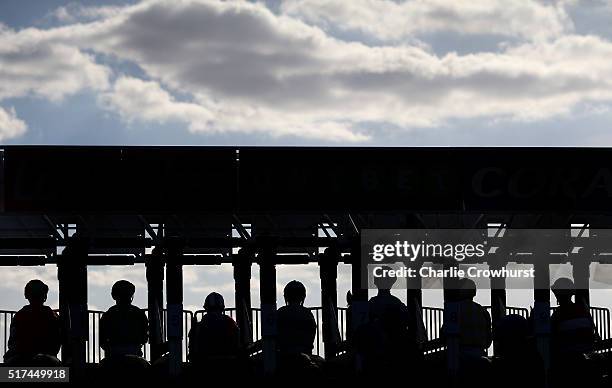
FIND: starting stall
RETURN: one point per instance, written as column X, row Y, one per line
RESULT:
column 169, row 207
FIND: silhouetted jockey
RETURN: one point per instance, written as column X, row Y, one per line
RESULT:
column 472, row 336
column 295, row 323
column 388, row 339
column 572, row 328
column 516, row 356
column 124, row 327
column 572, row 337
column 386, row 308
column 35, row 329
column 474, row 322
column 296, row 332
column 216, row 335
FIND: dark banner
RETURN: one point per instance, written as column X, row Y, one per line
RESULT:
column 348, row 179
column 49, row 179
column 426, row 179
column 298, row 180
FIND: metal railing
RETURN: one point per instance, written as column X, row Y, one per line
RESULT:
column 522, row 311
column 94, row 351
column 601, row 318
column 231, row 311
column 433, row 318
column 6, row 317
column 317, row 313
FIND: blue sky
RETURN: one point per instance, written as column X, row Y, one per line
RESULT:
column 299, row 72
column 306, row 72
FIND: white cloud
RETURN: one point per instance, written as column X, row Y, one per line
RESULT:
column 389, row 20
column 135, row 99
column 75, row 12
column 236, row 67
column 250, row 70
column 253, row 70
column 36, row 66
column 106, row 276
column 31, row 66
column 147, row 101
column 10, row 125
column 17, row 277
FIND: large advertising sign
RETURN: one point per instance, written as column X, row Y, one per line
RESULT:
column 298, row 180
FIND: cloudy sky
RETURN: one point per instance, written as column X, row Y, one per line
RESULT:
column 303, row 72
column 299, row 72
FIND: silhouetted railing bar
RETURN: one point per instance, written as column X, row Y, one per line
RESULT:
column 185, row 340
column 341, row 313
column 316, row 311
column 188, row 320
column 5, row 342
column 91, row 341
column 99, row 315
column 437, row 317
column 165, row 324
column 428, row 324
column 256, row 325
column 318, row 336
column 426, row 321
column 606, row 318
column 342, row 324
